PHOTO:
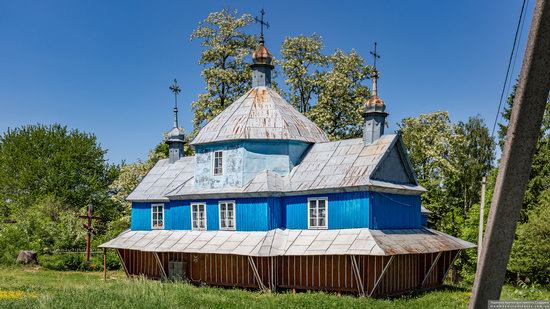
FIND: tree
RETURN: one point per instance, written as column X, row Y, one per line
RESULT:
column 301, row 63
column 38, row 161
column 529, row 258
column 225, row 73
column 472, row 157
column 428, row 139
column 342, row 95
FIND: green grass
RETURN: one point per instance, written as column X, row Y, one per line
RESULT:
column 34, row 287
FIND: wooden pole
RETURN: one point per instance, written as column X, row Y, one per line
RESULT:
column 517, row 156
column 104, row 264
column 481, row 217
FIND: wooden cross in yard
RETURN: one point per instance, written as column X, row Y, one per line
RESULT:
column 90, row 230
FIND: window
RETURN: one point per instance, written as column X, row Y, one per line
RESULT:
column 317, row 213
column 157, row 216
column 198, row 216
column 227, row 215
column 217, row 164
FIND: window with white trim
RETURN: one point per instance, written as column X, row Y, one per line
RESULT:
column 157, row 216
column 217, row 163
column 227, row 215
column 198, row 216
column 317, row 213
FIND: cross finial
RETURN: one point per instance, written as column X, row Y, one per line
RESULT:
column 375, row 55
column 262, row 24
column 176, row 90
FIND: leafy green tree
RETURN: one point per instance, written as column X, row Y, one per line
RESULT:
column 529, row 258
column 226, row 73
column 302, row 63
column 472, row 157
column 342, row 95
column 38, row 161
column 428, row 139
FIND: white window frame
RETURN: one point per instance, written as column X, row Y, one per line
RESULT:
column 214, row 163
column 205, row 217
column 226, row 228
column 153, row 227
column 317, row 199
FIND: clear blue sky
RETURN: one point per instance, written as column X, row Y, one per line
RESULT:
column 105, row 66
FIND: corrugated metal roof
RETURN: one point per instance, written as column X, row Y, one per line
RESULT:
column 260, row 114
column 163, row 178
column 345, row 165
column 286, row 242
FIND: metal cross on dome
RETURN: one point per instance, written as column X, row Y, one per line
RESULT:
column 176, row 90
column 262, row 22
column 375, row 55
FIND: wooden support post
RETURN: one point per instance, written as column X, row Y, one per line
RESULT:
column 123, row 263
column 104, row 264
column 161, row 268
column 451, row 264
column 382, row 275
column 357, row 274
column 273, row 281
column 430, row 269
column 261, row 285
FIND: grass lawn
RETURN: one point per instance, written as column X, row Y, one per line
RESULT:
column 35, row 287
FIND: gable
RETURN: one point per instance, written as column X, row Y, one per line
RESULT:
column 394, row 167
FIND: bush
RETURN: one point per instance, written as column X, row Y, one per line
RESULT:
column 76, row 261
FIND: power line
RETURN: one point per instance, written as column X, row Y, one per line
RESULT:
column 509, row 65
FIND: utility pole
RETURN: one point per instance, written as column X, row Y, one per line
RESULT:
column 515, row 167
column 481, row 217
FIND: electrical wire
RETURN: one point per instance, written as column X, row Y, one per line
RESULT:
column 521, row 16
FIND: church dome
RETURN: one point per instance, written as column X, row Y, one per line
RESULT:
column 174, row 135
column 262, row 55
column 260, row 114
column 375, row 104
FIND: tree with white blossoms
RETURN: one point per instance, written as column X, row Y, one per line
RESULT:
column 226, row 73
column 302, row 63
column 342, row 95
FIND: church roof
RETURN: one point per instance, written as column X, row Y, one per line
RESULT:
column 279, row 242
column 337, row 166
column 260, row 114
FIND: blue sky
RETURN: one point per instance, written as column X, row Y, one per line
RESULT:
column 105, row 66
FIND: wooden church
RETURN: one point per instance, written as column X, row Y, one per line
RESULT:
column 269, row 202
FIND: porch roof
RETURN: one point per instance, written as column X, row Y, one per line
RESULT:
column 285, row 242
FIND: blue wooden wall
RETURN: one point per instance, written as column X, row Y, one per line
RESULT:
column 345, row 210
column 394, row 211
column 141, row 216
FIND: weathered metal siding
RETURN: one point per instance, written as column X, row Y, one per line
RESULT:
column 141, row 217
column 232, row 166
column 394, row 211
column 276, row 156
column 345, row 210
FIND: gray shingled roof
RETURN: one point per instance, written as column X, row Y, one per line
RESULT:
column 327, row 167
column 260, row 114
column 286, row 242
